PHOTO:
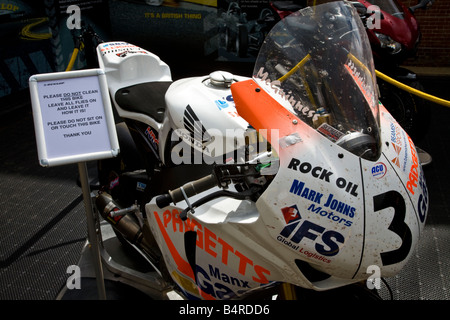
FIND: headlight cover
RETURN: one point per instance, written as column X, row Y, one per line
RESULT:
column 387, row 43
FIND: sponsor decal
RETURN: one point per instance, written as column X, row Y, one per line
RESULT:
column 221, row 104
column 291, row 214
column 328, row 207
column 123, row 54
column 323, row 174
column 299, row 232
column 363, row 79
column 422, row 203
column 379, row 170
column 214, row 246
column 331, row 215
column 194, row 126
column 151, row 137
column 224, row 102
column 275, row 85
column 398, row 142
column 218, row 285
column 214, row 272
column 120, row 48
column 413, row 177
column 115, row 45
column 397, row 150
column 298, row 188
column 140, row 186
column 9, row 7
column 330, row 132
column 114, row 183
column 395, row 134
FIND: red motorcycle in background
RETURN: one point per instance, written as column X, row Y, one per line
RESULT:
column 394, row 36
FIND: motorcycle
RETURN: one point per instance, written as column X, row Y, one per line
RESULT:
column 293, row 183
column 394, row 35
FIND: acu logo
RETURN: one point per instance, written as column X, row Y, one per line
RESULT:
column 379, row 170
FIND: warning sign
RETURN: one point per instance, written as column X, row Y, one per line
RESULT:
column 73, row 117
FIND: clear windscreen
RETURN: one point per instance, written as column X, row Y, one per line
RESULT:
column 318, row 64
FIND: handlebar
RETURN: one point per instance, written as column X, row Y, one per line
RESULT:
column 187, row 190
column 247, row 186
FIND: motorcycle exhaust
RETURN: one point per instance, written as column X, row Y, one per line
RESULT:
column 140, row 237
column 122, row 222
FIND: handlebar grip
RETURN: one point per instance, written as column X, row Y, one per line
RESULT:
column 190, row 189
column 163, row 200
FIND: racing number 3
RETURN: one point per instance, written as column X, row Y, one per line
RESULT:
column 395, row 200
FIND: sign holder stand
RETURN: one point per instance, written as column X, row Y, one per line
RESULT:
column 92, row 232
column 74, row 123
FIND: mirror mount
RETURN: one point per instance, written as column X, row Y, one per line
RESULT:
column 422, row 4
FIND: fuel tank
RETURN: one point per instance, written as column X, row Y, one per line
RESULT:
column 203, row 116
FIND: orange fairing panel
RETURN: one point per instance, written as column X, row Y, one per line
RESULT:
column 261, row 111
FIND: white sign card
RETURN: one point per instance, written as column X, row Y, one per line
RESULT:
column 73, row 117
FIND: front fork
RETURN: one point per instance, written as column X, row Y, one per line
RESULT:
column 287, row 292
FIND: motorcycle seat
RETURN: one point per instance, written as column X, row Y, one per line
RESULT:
column 146, row 98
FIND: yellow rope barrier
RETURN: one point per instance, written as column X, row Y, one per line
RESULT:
column 409, row 89
column 72, row 59
column 27, row 34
